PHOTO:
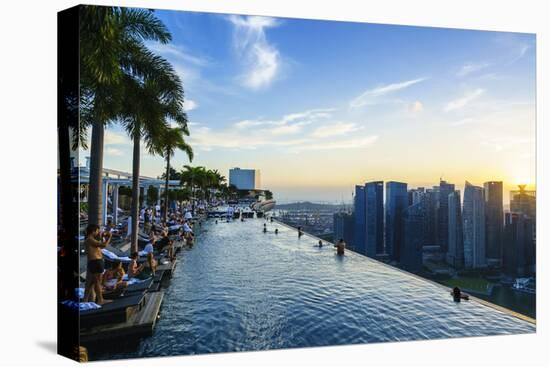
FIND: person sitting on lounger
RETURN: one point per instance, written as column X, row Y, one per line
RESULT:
column 133, row 268
column 149, row 268
column 112, row 278
column 95, row 266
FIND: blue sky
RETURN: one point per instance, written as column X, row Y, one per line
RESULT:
column 319, row 106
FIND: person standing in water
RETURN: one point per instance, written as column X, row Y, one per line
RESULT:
column 320, row 243
column 340, row 247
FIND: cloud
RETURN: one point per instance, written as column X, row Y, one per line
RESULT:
column 521, row 50
column 335, row 129
column 288, row 121
column 261, row 60
column 116, row 138
column 113, row 151
column 338, row 144
column 506, row 142
column 189, row 105
column 464, row 100
column 178, row 52
column 417, row 107
column 369, row 96
column 470, row 68
column 299, row 131
column 289, row 129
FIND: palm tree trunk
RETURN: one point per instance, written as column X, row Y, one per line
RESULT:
column 95, row 196
column 166, row 187
column 135, row 192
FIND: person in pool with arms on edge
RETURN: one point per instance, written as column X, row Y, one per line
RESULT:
column 340, row 246
column 96, row 265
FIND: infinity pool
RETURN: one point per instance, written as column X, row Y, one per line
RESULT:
column 240, row 289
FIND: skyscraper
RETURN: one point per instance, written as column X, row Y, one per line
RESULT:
column 413, row 237
column 524, row 202
column 245, row 179
column 455, row 252
column 374, row 236
column 473, row 215
column 430, row 199
column 443, row 214
column 416, row 195
column 494, row 221
column 519, row 245
column 360, row 221
column 396, row 203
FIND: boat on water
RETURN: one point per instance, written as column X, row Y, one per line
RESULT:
column 264, row 206
column 527, row 285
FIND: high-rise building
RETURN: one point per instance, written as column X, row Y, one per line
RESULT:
column 245, row 179
column 430, row 200
column 396, row 203
column 416, row 195
column 494, row 221
column 360, row 220
column 445, row 189
column 519, row 245
column 413, row 237
column 524, row 202
column 374, row 236
column 455, row 252
column 473, row 216
column 343, row 228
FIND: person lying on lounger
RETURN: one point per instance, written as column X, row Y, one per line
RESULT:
column 112, row 278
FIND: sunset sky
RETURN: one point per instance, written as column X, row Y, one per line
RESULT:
column 319, row 106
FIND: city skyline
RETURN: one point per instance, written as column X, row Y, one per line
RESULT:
column 370, row 102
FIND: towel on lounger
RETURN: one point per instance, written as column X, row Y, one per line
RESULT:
column 147, row 250
column 79, row 292
column 82, row 306
column 112, row 256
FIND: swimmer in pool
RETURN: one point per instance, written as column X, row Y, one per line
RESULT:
column 340, row 246
column 458, row 295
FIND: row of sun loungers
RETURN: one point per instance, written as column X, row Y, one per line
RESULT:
column 133, row 310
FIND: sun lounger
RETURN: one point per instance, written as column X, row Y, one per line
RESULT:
column 108, row 255
column 114, row 312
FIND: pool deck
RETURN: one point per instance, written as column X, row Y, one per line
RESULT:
column 140, row 320
column 471, row 298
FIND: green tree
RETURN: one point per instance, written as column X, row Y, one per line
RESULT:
column 148, row 105
column 166, row 146
column 111, row 46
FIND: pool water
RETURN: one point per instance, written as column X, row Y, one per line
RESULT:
column 240, row 289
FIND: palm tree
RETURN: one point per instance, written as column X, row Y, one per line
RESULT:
column 111, row 45
column 148, row 105
column 193, row 177
column 172, row 140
